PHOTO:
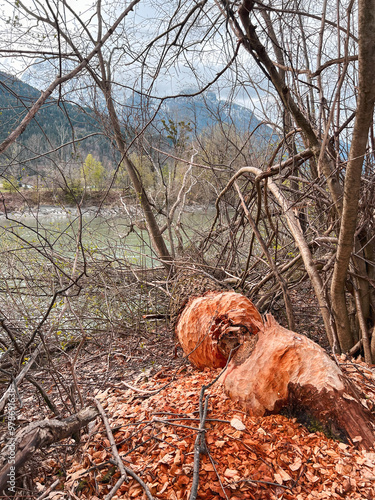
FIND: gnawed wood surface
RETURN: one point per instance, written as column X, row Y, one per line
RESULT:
column 212, row 325
column 289, row 370
column 186, row 285
column 273, row 368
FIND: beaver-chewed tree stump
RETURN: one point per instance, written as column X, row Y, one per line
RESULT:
column 272, row 368
column 211, row 326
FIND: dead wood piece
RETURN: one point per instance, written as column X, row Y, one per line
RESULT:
column 114, row 449
column 212, row 325
column 37, row 435
column 48, row 490
column 289, row 370
column 200, row 447
column 355, row 348
column 20, row 377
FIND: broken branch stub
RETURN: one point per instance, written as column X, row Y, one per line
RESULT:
column 38, row 435
column 210, row 326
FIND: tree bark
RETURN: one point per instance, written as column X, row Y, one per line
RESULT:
column 253, row 45
column 35, row 436
column 287, row 370
column 363, row 121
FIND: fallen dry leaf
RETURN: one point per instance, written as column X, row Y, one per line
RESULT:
column 237, row 424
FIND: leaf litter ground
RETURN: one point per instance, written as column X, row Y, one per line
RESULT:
column 257, row 458
column 271, row 457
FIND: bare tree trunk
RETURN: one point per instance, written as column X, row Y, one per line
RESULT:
column 153, row 229
column 363, row 121
column 154, row 232
column 245, row 30
column 253, row 45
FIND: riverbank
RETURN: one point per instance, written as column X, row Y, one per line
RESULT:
column 45, row 203
column 53, row 211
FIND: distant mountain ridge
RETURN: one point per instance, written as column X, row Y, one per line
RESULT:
column 16, row 97
column 55, row 121
column 206, row 110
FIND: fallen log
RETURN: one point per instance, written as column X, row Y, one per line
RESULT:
column 289, row 370
column 273, row 368
column 33, row 437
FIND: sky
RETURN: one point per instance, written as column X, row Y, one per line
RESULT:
column 193, row 69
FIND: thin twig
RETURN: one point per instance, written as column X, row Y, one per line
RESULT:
column 263, row 482
column 141, row 391
column 217, row 475
column 138, row 479
column 44, row 395
column 114, row 449
column 186, row 418
column 362, row 326
column 200, row 446
column 48, row 490
column 20, row 376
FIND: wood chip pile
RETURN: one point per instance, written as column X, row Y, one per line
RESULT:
column 269, row 457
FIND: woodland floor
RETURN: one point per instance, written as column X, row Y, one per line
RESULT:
column 272, row 457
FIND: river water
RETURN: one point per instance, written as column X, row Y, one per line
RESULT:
column 111, row 233
column 114, row 261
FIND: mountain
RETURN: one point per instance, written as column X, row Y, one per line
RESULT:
column 53, row 124
column 206, row 110
column 56, row 121
column 201, row 111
